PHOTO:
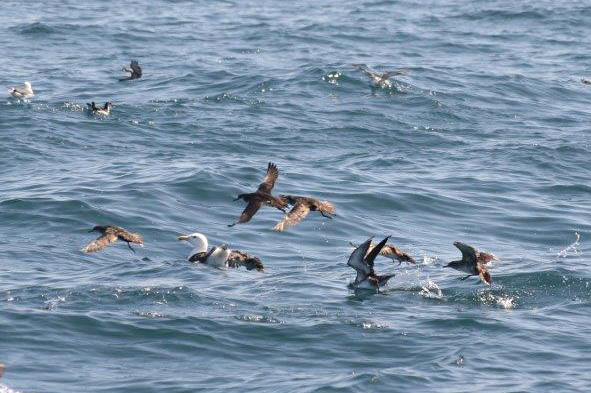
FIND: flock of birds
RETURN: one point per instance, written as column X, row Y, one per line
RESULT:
column 473, row 262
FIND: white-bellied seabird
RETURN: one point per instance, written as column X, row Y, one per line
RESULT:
column 111, row 234
column 134, row 69
column 473, row 262
column 392, row 252
column 219, row 257
column 362, row 260
column 22, row 92
column 262, row 196
column 380, row 79
column 105, row 110
column 301, row 207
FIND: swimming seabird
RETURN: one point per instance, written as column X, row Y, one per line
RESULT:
column 392, row 252
column 111, row 234
column 135, row 70
column 105, row 110
column 473, row 262
column 585, row 81
column 380, row 79
column 301, row 207
column 363, row 261
column 219, row 257
column 262, row 196
column 22, row 92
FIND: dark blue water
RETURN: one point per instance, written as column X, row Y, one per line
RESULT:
column 487, row 141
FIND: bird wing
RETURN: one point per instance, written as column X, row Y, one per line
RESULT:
column 357, row 261
column 383, row 280
column 269, row 181
column 137, row 70
column 240, row 258
column 468, row 252
column 371, row 256
column 200, row 257
column 100, row 242
column 325, row 206
column 295, row 215
column 250, row 210
column 486, row 257
column 483, row 274
column 391, row 251
column 390, row 74
column 130, row 237
column 365, row 69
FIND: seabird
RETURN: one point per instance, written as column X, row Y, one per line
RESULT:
column 105, row 110
column 380, row 79
column 262, row 196
column 301, row 207
column 363, row 261
column 585, row 81
column 392, row 252
column 219, row 257
column 473, row 262
column 22, row 92
column 111, row 234
column 134, row 69
column 1, row 370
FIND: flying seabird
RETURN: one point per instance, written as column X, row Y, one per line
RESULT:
column 363, row 262
column 219, row 257
column 392, row 252
column 111, row 234
column 134, row 69
column 380, row 79
column 473, row 262
column 105, row 110
column 301, row 207
column 22, row 92
column 262, row 196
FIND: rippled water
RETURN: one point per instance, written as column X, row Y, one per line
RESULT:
column 486, row 141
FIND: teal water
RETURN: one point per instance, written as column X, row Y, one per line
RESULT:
column 487, row 141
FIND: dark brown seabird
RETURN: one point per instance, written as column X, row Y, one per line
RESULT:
column 105, row 110
column 1, row 370
column 585, row 81
column 111, row 234
column 473, row 262
column 379, row 79
column 262, row 196
column 220, row 259
column 362, row 260
column 301, row 207
column 135, row 70
column 392, row 252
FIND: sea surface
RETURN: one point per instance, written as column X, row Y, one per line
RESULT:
column 486, row 141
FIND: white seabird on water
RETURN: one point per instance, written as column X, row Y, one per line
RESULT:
column 219, row 257
column 22, row 92
column 380, row 79
column 105, row 110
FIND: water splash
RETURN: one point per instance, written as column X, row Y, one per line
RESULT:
column 430, row 290
column 572, row 249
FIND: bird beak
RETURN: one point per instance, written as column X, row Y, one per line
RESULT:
column 183, row 237
column 92, row 230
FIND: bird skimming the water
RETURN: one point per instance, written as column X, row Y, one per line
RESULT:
column 380, row 79
column 219, row 257
column 363, row 262
column 22, row 92
column 105, row 110
column 111, row 234
column 473, row 262
column 301, row 207
column 392, row 252
column 134, row 69
column 262, row 196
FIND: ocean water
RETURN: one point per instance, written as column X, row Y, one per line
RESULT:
column 487, row 141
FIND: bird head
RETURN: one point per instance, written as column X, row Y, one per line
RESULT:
column 98, row 228
column 198, row 240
